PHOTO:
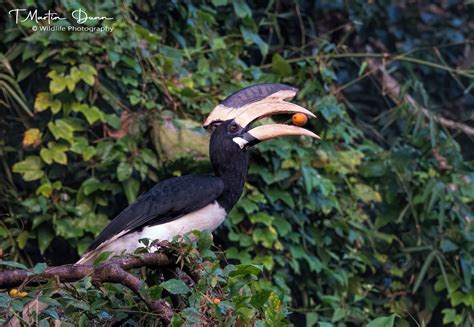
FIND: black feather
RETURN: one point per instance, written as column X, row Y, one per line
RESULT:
column 165, row 202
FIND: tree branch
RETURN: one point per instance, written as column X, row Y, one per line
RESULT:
column 113, row 271
column 392, row 89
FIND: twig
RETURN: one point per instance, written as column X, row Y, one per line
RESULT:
column 388, row 56
column 393, row 90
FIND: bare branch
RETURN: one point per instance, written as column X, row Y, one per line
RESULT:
column 392, row 89
column 75, row 272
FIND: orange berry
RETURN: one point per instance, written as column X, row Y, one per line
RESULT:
column 299, row 119
column 216, row 300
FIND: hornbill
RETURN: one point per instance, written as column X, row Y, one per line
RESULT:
column 182, row 204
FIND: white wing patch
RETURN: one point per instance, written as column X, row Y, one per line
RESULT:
column 207, row 218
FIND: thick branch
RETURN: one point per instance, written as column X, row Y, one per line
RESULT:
column 74, row 272
column 111, row 271
column 392, row 88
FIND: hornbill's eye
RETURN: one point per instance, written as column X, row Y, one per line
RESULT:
column 233, row 128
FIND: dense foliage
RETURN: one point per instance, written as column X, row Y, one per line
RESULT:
column 375, row 220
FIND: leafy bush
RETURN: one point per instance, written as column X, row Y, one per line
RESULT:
column 374, row 220
column 230, row 295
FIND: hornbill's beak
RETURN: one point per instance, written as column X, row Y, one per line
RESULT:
column 253, row 103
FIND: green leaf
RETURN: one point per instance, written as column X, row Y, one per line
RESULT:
column 149, row 157
column 155, row 292
column 88, row 153
column 61, row 129
column 330, row 108
column 276, row 194
column 245, row 269
column 192, row 317
column 282, row 225
column 44, row 100
column 218, row 43
column 310, row 178
column 260, row 298
column 13, row 264
column 17, row 305
column 280, row 66
column 131, row 187
column 88, row 73
column 25, row 72
column 134, row 99
column 253, row 38
column 49, row 300
column 248, row 206
column 448, row 246
column 39, row 268
column 30, row 168
column 265, row 236
column 457, row 298
column 45, row 190
column 75, row 74
column 81, row 146
column 92, row 113
column 68, row 228
column 113, row 120
column 362, row 68
column 31, row 162
column 320, row 324
column 175, row 286
column 46, row 155
column 424, row 269
column 29, row 52
column 45, row 236
column 261, row 217
column 339, row 313
column 241, row 8
column 70, row 84
column 91, row 185
column 124, row 171
column 219, row 3
column 372, row 169
column 22, row 238
column 57, row 152
column 58, row 82
column 266, row 261
column 383, row 321
column 327, row 73
column 366, row 194
column 103, row 257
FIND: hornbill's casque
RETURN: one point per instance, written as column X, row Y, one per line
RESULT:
column 179, row 205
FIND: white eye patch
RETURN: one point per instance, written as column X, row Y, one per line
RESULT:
column 240, row 141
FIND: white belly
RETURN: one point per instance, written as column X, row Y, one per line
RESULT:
column 207, row 218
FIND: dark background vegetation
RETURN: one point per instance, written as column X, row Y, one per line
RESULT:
column 372, row 223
